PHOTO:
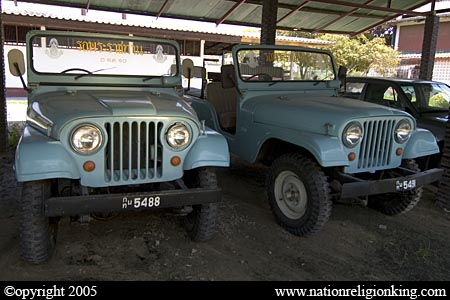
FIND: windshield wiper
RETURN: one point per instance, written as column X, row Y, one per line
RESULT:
column 90, row 73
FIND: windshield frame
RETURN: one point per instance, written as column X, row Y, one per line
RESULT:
column 274, row 48
column 92, row 78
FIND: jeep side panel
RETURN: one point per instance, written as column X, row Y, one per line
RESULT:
column 421, row 143
column 39, row 157
column 210, row 149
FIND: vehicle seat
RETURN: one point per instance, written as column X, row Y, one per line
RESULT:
column 274, row 72
column 375, row 94
column 224, row 101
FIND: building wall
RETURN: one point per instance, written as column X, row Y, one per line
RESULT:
column 409, row 44
column 411, row 37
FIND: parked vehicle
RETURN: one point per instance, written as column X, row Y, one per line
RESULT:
column 279, row 106
column 427, row 101
column 108, row 130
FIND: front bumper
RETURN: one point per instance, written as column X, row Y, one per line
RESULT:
column 392, row 185
column 79, row 205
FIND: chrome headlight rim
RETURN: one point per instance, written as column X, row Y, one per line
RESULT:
column 92, row 150
column 168, row 138
column 398, row 137
column 349, row 126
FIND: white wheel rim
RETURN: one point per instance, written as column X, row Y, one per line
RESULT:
column 290, row 195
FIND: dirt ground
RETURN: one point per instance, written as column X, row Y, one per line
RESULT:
column 356, row 244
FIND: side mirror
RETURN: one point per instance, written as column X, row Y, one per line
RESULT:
column 342, row 76
column 188, row 68
column 342, row 73
column 16, row 62
column 227, row 77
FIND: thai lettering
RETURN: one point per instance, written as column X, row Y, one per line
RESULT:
column 138, row 50
column 119, row 48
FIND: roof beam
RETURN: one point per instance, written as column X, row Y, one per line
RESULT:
column 292, row 11
column 342, row 16
column 313, row 10
column 228, row 13
column 161, row 10
column 371, row 7
column 390, row 18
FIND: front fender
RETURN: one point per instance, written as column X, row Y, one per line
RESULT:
column 39, row 157
column 327, row 150
column 421, row 143
column 210, row 149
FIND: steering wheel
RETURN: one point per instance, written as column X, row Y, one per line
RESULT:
column 264, row 77
column 76, row 69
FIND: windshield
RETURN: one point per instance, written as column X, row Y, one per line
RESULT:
column 288, row 65
column 428, row 97
column 93, row 56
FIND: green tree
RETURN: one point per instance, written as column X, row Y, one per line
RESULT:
column 359, row 54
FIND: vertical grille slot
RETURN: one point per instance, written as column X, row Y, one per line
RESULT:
column 376, row 144
column 133, row 151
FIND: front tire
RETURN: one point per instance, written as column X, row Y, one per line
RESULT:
column 37, row 232
column 397, row 203
column 201, row 222
column 299, row 194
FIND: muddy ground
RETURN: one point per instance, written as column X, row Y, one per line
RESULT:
column 356, row 244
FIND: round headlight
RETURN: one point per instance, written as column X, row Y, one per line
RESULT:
column 403, row 131
column 353, row 134
column 86, row 139
column 178, row 136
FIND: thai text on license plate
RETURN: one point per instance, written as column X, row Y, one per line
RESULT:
column 141, row 202
column 404, row 185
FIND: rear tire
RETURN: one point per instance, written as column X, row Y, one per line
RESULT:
column 201, row 222
column 299, row 194
column 37, row 232
column 397, row 203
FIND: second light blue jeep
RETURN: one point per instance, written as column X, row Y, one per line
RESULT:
column 279, row 106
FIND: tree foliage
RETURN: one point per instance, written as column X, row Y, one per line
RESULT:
column 359, row 54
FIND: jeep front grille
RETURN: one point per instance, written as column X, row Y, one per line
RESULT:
column 376, row 144
column 133, row 151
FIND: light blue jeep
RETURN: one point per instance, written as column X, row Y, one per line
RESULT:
column 108, row 130
column 279, row 106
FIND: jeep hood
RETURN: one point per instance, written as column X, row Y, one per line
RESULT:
column 62, row 107
column 313, row 113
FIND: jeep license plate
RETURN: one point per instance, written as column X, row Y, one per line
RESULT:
column 404, row 185
column 141, row 202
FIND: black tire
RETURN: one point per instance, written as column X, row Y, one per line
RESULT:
column 397, row 203
column 201, row 223
column 37, row 232
column 303, row 181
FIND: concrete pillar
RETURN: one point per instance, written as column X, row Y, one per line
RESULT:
column 429, row 46
column 4, row 145
column 202, row 48
column 269, row 22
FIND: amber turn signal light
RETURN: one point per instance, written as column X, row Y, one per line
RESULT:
column 175, row 161
column 351, row 156
column 89, row 166
column 399, row 151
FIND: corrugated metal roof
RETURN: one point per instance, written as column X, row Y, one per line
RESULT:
column 43, row 11
column 334, row 16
